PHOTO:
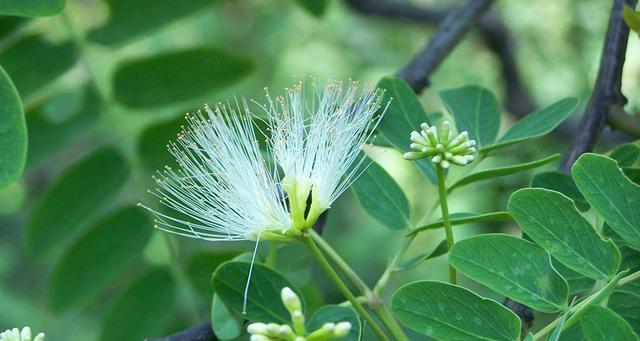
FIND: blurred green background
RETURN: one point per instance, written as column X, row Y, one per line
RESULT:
column 105, row 85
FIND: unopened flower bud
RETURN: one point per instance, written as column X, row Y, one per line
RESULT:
column 290, row 300
column 257, row 328
column 342, row 329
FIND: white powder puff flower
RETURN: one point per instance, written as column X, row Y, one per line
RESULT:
column 316, row 138
column 223, row 189
column 20, row 335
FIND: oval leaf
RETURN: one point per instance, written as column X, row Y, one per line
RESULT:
column 600, row 324
column 448, row 312
column 98, row 257
column 13, row 132
column 336, row 314
column 144, row 309
column 553, row 222
column 226, row 326
column 177, row 76
column 67, row 205
column 126, row 23
column 476, row 111
column 502, row 171
column 625, row 301
column 512, row 267
column 404, row 115
column 23, row 61
column 626, row 155
column 263, row 301
column 31, row 8
column 563, row 183
column 382, row 198
column 536, row 124
column 152, row 144
column 611, row 193
column 200, row 267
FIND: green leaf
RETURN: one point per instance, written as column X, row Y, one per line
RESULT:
column 335, row 314
column 563, row 183
column 23, row 61
column 448, row 312
column 512, row 267
column 576, row 281
column 80, row 191
column 552, row 221
column 177, row 76
column 502, row 171
column 46, row 136
column 200, row 267
column 555, row 336
column 144, row 309
column 536, row 124
column 600, row 324
column 630, row 257
column 476, row 110
column 404, row 115
column 625, row 301
column 438, row 251
column 98, row 257
column 294, row 262
column 611, row 193
column 126, row 23
column 13, row 132
column 226, row 326
column 314, row 7
column 152, row 144
column 382, row 198
column 632, row 18
column 263, row 301
column 626, row 155
column 460, row 218
column 31, row 8
column 529, row 337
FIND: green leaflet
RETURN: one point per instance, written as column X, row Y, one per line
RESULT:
column 226, row 326
column 177, row 76
column 599, row 324
column 65, row 208
column 404, row 115
column 382, row 198
column 460, row 218
column 551, row 220
column 143, row 310
column 563, row 183
column 476, row 110
column 31, row 8
column 13, row 132
column 502, row 171
column 625, row 301
column 611, row 193
column 107, row 249
column 626, row 155
column 263, row 302
column 335, row 314
column 200, row 267
column 512, row 267
column 536, row 124
column 126, row 23
column 449, row 312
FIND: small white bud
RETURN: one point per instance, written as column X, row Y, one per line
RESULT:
column 39, row 337
column 290, row 300
column 436, row 159
column 444, row 164
column 329, row 327
column 412, row 156
column 342, row 329
column 257, row 328
column 260, row 338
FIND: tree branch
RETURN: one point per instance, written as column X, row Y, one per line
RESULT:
column 620, row 120
column 200, row 332
column 449, row 33
column 606, row 93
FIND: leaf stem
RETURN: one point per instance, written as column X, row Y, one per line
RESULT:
column 372, row 299
column 595, row 298
column 324, row 263
column 444, row 206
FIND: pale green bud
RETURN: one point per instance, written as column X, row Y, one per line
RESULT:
column 443, row 149
column 16, row 334
column 257, row 328
column 342, row 329
column 290, row 300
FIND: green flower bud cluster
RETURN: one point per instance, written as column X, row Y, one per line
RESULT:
column 444, row 149
column 20, row 335
column 284, row 332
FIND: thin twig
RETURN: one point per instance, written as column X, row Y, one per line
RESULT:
column 492, row 30
column 449, row 33
column 607, row 92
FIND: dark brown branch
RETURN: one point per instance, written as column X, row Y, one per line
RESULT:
column 606, row 93
column 200, row 332
column 492, row 30
column 448, row 34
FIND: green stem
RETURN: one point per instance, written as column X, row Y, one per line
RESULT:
column 271, row 256
column 384, row 279
column 374, row 301
column 324, row 263
column 444, row 206
column 581, row 307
